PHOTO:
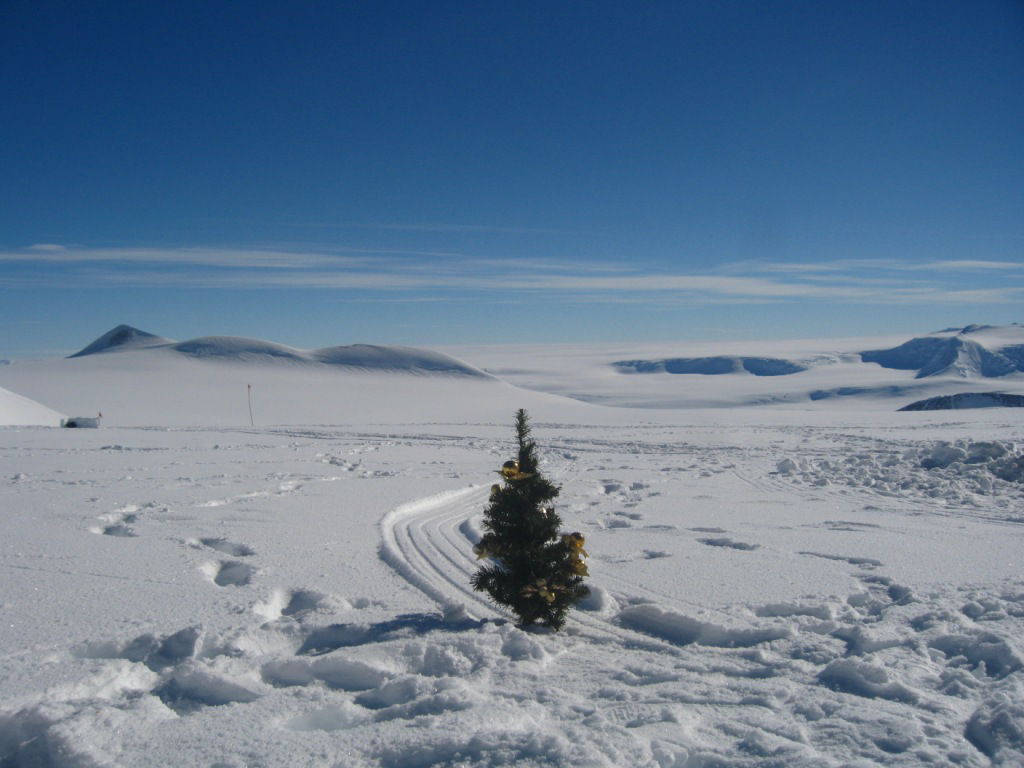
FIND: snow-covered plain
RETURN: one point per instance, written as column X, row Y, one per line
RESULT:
column 815, row 582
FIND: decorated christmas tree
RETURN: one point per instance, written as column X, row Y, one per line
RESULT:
column 535, row 570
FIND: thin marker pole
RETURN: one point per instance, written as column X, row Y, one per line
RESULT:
column 251, row 422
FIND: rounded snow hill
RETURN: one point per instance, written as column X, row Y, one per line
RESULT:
column 362, row 356
column 125, row 338
column 139, row 379
column 19, row 411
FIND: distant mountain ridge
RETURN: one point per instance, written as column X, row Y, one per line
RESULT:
column 136, row 377
column 957, row 355
column 126, row 339
column 975, row 351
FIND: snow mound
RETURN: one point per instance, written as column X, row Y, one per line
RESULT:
column 680, row 629
column 967, row 400
column 959, row 473
column 395, row 358
column 16, row 410
column 997, row 727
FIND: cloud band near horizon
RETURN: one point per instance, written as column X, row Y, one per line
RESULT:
column 864, row 281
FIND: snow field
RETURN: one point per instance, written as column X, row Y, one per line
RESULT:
column 300, row 596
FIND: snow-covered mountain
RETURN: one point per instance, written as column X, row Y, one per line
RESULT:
column 971, row 352
column 974, row 351
column 124, row 338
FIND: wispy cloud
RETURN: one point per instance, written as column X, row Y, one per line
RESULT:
column 975, row 265
column 873, row 265
column 424, row 274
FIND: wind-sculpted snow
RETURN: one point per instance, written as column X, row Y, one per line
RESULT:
column 16, row 410
column 763, row 594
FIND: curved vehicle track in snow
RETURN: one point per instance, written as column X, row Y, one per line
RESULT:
column 429, row 543
column 423, row 543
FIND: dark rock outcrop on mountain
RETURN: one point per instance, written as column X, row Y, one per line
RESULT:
column 967, row 400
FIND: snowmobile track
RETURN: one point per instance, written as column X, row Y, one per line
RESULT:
column 426, row 541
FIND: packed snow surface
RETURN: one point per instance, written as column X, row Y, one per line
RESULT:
column 771, row 586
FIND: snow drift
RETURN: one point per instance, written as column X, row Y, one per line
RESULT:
column 16, row 410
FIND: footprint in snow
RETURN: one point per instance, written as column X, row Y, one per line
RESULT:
column 157, row 652
column 229, row 573
column 655, row 554
column 296, row 603
column 629, row 557
column 118, row 522
column 120, row 528
column 863, row 562
column 224, row 546
column 194, row 686
column 340, row 674
column 847, row 525
column 729, row 544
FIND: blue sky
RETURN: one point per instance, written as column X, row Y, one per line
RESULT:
column 430, row 173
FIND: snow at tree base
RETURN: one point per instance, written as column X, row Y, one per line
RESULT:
column 776, row 578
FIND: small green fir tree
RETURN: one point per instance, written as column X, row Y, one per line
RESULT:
column 534, row 570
